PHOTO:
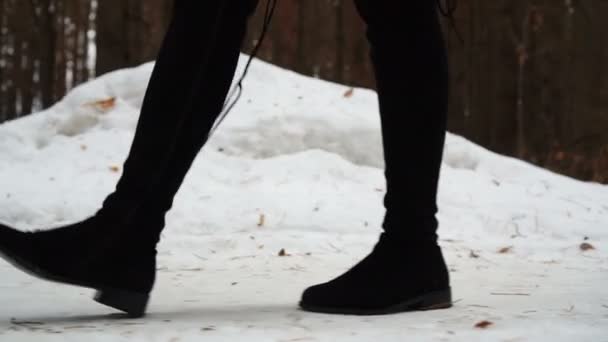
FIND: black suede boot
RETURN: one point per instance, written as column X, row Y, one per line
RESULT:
column 396, row 276
column 406, row 270
column 88, row 254
column 204, row 111
column 114, row 251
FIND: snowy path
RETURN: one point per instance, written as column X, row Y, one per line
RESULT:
column 231, row 297
column 298, row 167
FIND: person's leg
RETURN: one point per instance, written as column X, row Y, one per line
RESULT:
column 206, row 107
column 174, row 85
column 410, row 65
column 188, row 86
column 406, row 269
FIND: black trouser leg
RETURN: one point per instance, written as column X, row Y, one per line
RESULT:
column 186, row 91
column 211, row 92
column 409, row 58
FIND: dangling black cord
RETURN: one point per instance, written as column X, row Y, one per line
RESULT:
column 228, row 106
column 448, row 11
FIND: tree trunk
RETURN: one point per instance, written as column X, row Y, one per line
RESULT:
column 129, row 32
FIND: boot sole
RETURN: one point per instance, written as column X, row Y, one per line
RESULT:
column 132, row 303
column 430, row 301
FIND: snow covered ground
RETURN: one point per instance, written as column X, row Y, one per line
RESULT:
column 298, row 166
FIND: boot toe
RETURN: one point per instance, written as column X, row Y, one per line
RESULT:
column 11, row 241
column 17, row 248
column 328, row 298
column 314, row 296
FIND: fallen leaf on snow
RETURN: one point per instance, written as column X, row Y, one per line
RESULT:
column 283, row 253
column 473, row 255
column 349, row 93
column 104, row 105
column 262, row 220
column 505, row 250
column 114, row 168
column 483, row 324
column 585, row 246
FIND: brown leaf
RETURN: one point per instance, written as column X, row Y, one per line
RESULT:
column 83, row 147
column 585, row 246
column 104, row 105
column 114, row 168
column 283, row 253
column 349, row 93
column 483, row 324
column 262, row 220
column 505, row 250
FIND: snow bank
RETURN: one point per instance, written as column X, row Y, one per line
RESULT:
column 298, row 165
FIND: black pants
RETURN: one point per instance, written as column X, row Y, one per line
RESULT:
column 193, row 73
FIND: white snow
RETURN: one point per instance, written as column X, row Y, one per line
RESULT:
column 309, row 160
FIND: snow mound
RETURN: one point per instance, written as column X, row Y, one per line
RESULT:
column 298, row 165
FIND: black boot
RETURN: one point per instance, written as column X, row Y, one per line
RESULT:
column 114, row 251
column 406, row 270
column 182, row 64
column 86, row 254
column 204, row 110
column 394, row 277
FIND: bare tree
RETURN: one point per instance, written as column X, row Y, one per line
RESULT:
column 129, row 32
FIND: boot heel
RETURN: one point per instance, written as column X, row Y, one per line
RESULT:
column 132, row 303
column 436, row 300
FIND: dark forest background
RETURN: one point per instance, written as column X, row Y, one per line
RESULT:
column 530, row 79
